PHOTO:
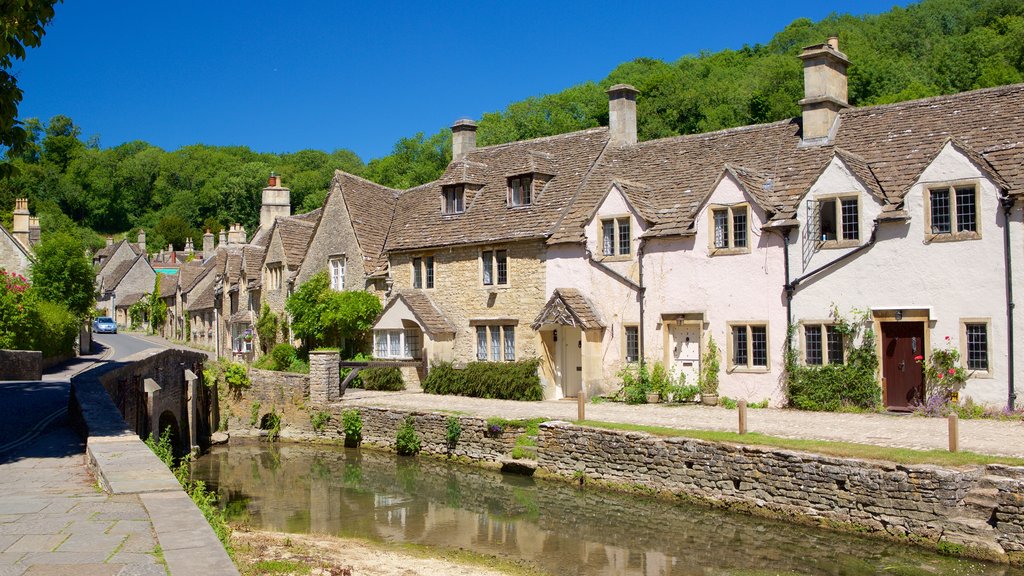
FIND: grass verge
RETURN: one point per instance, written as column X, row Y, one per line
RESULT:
column 839, row 449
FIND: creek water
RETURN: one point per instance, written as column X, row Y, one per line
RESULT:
column 554, row 526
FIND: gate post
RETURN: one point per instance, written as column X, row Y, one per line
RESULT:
column 324, row 382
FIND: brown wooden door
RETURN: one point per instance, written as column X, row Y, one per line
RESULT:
column 904, row 378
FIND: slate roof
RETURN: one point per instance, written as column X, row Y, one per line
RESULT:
column 428, row 314
column 568, row 158
column 886, row 147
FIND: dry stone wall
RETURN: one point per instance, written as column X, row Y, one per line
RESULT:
column 276, row 388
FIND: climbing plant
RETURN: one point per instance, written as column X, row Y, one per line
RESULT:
column 832, row 387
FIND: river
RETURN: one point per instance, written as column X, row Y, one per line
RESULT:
column 557, row 527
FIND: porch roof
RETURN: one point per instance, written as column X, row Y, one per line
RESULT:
column 423, row 311
column 568, row 307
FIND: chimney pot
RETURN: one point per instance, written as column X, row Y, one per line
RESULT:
column 20, row 225
column 622, row 114
column 833, row 42
column 208, row 248
column 276, row 204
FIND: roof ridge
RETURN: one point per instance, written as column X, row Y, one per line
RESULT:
column 339, row 171
column 722, row 132
column 566, row 135
column 933, row 99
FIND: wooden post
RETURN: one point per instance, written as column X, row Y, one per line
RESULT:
column 954, row 433
column 581, row 403
column 742, row 405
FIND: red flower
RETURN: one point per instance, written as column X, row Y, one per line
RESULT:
column 918, row 358
column 952, row 371
column 947, row 338
column 940, row 375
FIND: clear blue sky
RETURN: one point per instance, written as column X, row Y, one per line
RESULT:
column 284, row 76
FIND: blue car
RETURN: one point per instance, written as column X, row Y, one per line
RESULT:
column 104, row 325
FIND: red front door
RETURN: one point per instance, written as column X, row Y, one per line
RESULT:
column 904, row 378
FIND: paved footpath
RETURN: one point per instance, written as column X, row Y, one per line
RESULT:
column 903, row 431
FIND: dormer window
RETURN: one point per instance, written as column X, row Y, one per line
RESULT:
column 520, row 190
column 454, row 199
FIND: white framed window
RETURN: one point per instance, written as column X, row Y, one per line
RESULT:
column 975, row 344
column 823, row 344
column 730, row 229
column 494, row 267
column 496, row 342
column 616, row 237
column 520, row 190
column 336, row 268
column 453, row 199
column 423, row 272
column 748, row 346
column 403, row 344
column 951, row 212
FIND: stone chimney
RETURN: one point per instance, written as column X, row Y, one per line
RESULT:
column 236, row 234
column 463, row 138
column 173, row 255
column 208, row 247
column 20, row 224
column 276, row 202
column 622, row 114
column 142, row 240
column 222, row 240
column 825, row 89
column 110, row 240
column 35, row 231
column 189, row 248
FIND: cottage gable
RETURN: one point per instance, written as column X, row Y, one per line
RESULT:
column 617, row 223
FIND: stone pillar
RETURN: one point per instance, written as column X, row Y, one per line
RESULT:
column 324, row 381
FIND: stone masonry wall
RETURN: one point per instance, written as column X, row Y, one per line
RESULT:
column 21, row 364
column 460, row 293
column 978, row 508
column 276, row 388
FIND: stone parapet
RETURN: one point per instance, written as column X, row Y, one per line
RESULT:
column 270, row 387
column 21, row 365
column 324, row 379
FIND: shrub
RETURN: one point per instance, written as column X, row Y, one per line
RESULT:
column 382, row 379
column 452, row 433
column 57, row 330
column 271, row 422
column 636, row 383
column 834, row 387
column 352, row 424
column 17, row 311
column 943, row 373
column 709, row 368
column 237, row 377
column 727, row 402
column 266, row 328
column 685, row 393
column 254, row 414
column 284, row 355
column 319, row 420
column 407, row 441
column 501, row 380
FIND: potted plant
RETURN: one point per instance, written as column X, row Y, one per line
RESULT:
column 708, row 380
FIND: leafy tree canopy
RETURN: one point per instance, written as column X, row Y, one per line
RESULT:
column 325, row 317
column 61, row 273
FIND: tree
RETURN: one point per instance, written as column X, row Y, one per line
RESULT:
column 174, row 230
column 61, row 273
column 22, row 26
column 325, row 317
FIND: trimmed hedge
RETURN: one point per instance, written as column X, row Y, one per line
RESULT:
column 58, row 330
column 389, row 379
column 501, row 380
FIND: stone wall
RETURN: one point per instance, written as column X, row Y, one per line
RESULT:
column 272, row 388
column 460, row 293
column 12, row 257
column 980, row 509
column 21, row 364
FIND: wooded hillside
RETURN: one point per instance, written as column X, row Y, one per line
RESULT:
column 930, row 48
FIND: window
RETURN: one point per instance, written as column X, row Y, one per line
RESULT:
column 496, row 343
column 520, row 191
column 616, row 239
column 454, row 199
column 952, row 212
column 632, row 343
column 823, row 342
column 423, row 272
column 729, row 224
column 840, row 219
column 336, row 266
column 396, row 343
column 273, row 276
column 974, row 336
column 495, row 267
column 749, row 344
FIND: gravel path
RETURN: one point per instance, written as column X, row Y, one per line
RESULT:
column 903, row 431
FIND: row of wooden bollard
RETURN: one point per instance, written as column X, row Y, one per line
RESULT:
column 954, row 420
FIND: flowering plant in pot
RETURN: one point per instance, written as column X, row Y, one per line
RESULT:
column 708, row 380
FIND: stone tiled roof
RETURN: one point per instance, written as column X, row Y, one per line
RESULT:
column 189, row 273
column 129, row 299
column 168, row 285
column 201, row 299
column 120, row 272
column 371, row 209
column 428, row 314
column 232, row 263
column 295, row 235
column 252, row 257
column 568, row 158
column 241, row 317
column 568, row 307
column 886, row 147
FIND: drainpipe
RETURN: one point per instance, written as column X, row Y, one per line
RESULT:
column 1007, row 204
column 792, row 285
column 641, row 293
column 788, row 287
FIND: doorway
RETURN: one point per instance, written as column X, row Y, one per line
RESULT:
column 903, row 376
column 684, row 354
column 569, row 361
